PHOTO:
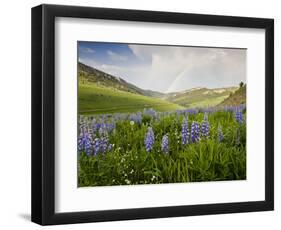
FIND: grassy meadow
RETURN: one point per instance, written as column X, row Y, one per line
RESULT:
column 114, row 131
column 98, row 99
column 130, row 136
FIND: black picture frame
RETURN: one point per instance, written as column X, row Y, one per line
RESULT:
column 43, row 114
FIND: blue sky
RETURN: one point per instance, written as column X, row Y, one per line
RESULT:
column 166, row 68
column 108, row 53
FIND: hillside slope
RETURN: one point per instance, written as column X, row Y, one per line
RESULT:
column 98, row 99
column 100, row 92
column 200, row 97
column 236, row 98
column 92, row 75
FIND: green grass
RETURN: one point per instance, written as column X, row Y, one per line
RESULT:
column 129, row 163
column 94, row 99
column 206, row 102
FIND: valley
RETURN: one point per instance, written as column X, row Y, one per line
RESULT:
column 101, row 93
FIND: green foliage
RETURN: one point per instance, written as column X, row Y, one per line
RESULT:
column 128, row 162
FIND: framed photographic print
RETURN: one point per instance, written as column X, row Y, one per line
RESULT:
column 142, row 114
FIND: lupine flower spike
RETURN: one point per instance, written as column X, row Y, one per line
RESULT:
column 195, row 132
column 165, row 144
column 239, row 116
column 104, row 144
column 184, row 132
column 149, row 139
column 96, row 146
column 205, row 127
column 85, row 142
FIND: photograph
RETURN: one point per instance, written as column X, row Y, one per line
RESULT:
column 157, row 114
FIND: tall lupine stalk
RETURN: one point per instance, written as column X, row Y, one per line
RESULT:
column 85, row 142
column 195, row 132
column 205, row 127
column 239, row 116
column 96, row 145
column 104, row 144
column 149, row 139
column 184, row 132
column 165, row 144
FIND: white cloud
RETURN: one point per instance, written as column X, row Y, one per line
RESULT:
column 115, row 56
column 130, row 74
column 168, row 68
column 181, row 68
column 86, row 50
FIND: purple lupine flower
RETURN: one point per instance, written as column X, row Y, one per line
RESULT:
column 137, row 118
column 96, row 145
column 191, row 111
column 95, row 126
column 103, row 129
column 220, row 134
column 110, row 127
column 117, row 116
column 103, row 144
column 165, row 144
column 239, row 116
column 85, row 142
column 205, row 127
column 195, row 132
column 150, row 112
column 149, row 139
column 184, row 132
column 230, row 108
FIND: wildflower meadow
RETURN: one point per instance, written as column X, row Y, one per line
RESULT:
column 152, row 147
column 154, row 114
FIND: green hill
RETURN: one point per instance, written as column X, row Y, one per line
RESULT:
column 92, row 75
column 236, row 98
column 200, row 97
column 97, row 99
column 100, row 92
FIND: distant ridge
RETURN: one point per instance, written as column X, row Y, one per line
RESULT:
column 200, row 96
column 90, row 74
